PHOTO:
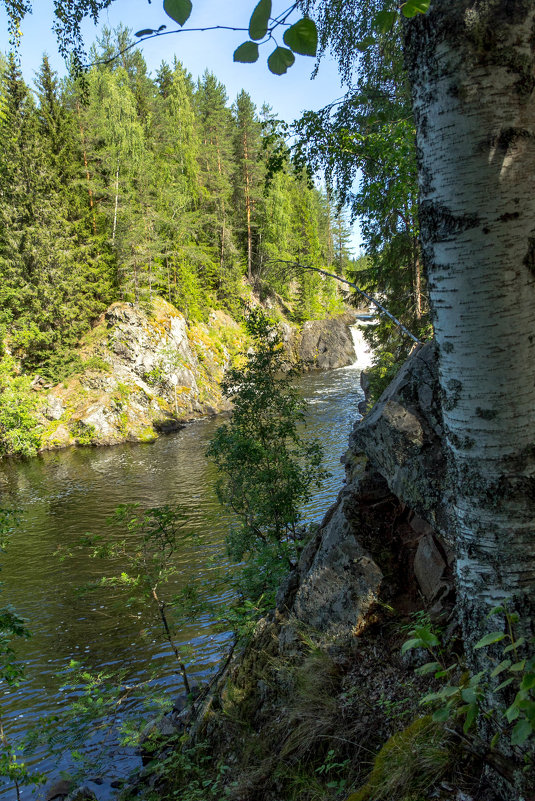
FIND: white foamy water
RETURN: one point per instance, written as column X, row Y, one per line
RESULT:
column 362, row 349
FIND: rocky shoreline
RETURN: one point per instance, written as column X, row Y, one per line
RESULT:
column 148, row 374
column 325, row 666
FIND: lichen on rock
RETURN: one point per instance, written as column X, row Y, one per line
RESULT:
column 159, row 373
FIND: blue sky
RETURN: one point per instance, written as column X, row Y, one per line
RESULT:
column 288, row 94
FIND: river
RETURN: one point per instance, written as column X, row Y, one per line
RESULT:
column 63, row 495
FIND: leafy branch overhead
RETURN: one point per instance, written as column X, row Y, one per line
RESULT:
column 301, row 38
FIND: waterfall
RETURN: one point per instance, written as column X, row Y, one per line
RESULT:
column 362, row 349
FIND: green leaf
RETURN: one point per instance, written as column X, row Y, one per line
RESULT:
column 384, row 20
column 429, row 667
column 494, row 741
column 448, row 691
column 512, row 713
column 488, row 639
column 179, row 10
column 280, row 60
column 441, row 673
column 476, row 678
column 302, row 37
column 528, row 682
column 518, row 666
column 504, row 684
column 501, row 667
column 442, row 714
column 145, row 32
column 430, row 698
column 409, row 644
column 429, row 639
column 514, row 645
column 526, row 705
column 469, row 695
column 521, row 732
column 441, row 695
column 246, row 53
column 363, row 45
column 471, row 715
column 413, row 7
column 258, row 24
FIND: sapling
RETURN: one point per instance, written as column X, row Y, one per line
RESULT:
column 267, row 469
column 148, row 553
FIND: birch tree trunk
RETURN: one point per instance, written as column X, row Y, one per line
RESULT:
column 471, row 64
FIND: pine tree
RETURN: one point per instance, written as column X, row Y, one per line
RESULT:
column 248, row 176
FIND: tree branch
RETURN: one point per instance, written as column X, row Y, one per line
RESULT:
column 362, row 292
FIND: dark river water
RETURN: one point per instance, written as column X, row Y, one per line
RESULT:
column 65, row 494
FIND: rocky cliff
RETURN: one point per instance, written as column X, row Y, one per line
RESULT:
column 148, row 373
column 144, row 374
column 325, row 344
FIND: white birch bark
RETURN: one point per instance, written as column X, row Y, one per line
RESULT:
column 116, row 204
column 472, row 68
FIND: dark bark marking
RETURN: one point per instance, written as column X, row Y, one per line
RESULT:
column 486, row 414
column 437, row 223
column 447, row 347
column 519, row 64
column 529, row 258
column 509, row 215
column 519, row 462
column 451, row 400
column 498, row 491
column 461, row 443
column 507, row 138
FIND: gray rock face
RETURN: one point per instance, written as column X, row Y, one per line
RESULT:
column 150, row 349
column 402, row 437
column 54, row 408
column 159, row 728
column 146, row 375
column 327, row 344
column 337, row 582
column 430, row 569
column 342, row 583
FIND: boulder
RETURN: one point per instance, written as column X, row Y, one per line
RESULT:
column 160, row 728
column 362, row 406
column 337, row 583
column 327, row 344
column 402, row 437
column 98, row 417
column 54, row 408
column 430, row 568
